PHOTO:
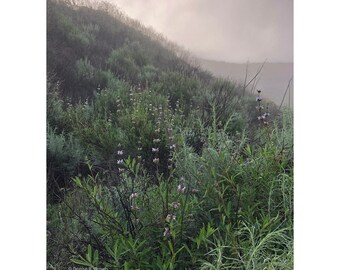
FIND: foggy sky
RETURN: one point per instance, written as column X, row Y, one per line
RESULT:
column 225, row 30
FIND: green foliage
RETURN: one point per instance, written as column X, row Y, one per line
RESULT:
column 220, row 215
column 90, row 259
column 55, row 107
column 84, row 69
column 123, row 64
column 64, row 159
column 266, row 248
column 149, row 74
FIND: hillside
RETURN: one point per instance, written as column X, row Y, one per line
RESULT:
column 88, row 44
column 154, row 163
column 273, row 79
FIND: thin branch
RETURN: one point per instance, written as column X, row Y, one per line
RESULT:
column 255, row 76
column 288, row 86
column 254, row 85
column 245, row 79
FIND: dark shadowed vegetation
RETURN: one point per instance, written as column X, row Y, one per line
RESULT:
column 153, row 163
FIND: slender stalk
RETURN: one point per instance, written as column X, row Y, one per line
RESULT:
column 245, row 79
column 288, row 86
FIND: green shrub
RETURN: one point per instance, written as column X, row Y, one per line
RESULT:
column 64, row 160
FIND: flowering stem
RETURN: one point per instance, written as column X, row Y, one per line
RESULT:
column 183, row 210
column 167, row 198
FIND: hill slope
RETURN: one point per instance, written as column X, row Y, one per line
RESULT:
column 85, row 44
column 103, row 62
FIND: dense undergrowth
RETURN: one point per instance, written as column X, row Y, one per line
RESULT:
column 151, row 162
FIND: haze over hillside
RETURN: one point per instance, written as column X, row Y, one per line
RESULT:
column 228, row 31
column 273, row 79
column 222, row 30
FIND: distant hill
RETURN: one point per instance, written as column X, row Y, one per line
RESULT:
column 273, row 79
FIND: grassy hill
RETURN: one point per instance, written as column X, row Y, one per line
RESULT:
column 154, row 163
column 89, row 45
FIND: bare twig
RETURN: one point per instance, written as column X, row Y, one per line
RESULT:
column 245, row 79
column 288, row 86
column 254, row 77
column 254, row 85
